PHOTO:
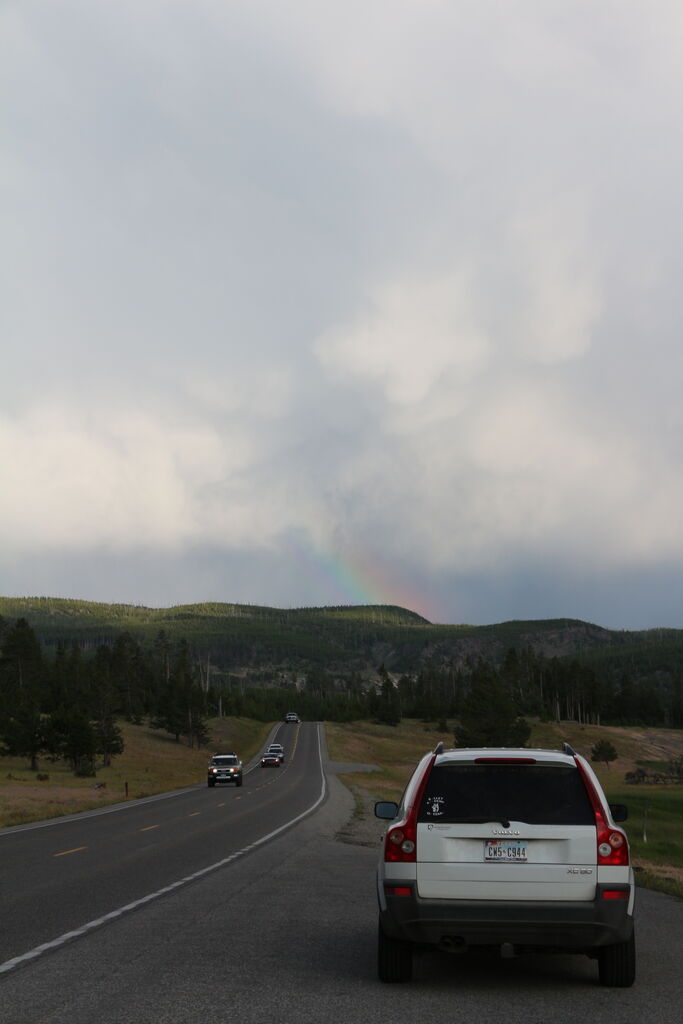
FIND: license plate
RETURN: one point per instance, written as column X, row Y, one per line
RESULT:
column 505, row 850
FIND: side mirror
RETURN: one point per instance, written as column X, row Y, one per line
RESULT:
column 619, row 811
column 386, row 809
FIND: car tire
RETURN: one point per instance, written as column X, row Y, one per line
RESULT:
column 210, row 784
column 617, row 964
column 238, row 782
column 394, row 958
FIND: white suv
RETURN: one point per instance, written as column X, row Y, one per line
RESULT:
column 511, row 849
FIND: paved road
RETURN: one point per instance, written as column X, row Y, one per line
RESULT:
column 56, row 877
column 286, row 933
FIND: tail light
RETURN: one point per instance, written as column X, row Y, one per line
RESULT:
column 611, row 841
column 399, row 843
column 400, row 840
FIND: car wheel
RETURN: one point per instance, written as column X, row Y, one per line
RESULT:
column 211, row 783
column 617, row 964
column 239, row 781
column 394, row 958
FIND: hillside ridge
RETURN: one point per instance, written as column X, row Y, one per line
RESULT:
column 267, row 642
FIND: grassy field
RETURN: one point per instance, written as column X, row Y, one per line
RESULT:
column 655, row 824
column 152, row 762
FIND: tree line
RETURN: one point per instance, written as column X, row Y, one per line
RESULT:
column 66, row 705
column 550, row 689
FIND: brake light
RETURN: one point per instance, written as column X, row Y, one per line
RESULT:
column 400, row 841
column 615, row 894
column 612, row 842
column 505, row 760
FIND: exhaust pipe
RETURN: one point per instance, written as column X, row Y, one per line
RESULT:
column 453, row 944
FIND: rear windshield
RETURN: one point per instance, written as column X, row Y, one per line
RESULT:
column 539, row 794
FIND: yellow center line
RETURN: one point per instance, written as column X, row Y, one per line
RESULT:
column 65, row 853
column 148, row 828
column 194, row 814
column 221, row 805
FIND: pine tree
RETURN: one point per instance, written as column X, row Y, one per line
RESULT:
column 72, row 737
column 22, row 693
column 489, row 717
column 388, row 710
column 605, row 751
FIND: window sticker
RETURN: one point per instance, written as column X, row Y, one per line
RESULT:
column 435, row 806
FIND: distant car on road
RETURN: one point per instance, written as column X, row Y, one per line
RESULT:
column 271, row 759
column 224, row 768
column 277, row 748
column 292, row 717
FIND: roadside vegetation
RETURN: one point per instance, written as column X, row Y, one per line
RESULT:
column 655, row 823
column 151, row 762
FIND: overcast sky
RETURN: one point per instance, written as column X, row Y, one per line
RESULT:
column 349, row 302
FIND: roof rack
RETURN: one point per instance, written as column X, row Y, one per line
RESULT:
column 438, row 749
column 568, row 750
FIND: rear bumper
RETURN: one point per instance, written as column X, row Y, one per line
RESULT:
column 457, row 924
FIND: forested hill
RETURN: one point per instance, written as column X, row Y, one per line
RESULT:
column 261, row 641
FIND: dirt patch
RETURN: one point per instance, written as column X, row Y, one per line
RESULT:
column 362, row 828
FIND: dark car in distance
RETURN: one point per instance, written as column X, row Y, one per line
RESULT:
column 224, row 768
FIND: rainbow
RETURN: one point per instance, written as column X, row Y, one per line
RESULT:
column 357, row 578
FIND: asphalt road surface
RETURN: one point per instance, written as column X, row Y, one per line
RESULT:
column 57, row 877
column 283, row 930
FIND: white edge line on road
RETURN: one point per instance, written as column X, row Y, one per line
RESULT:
column 77, row 933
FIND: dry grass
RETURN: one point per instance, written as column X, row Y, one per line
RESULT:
column 632, row 744
column 152, row 762
column 397, row 750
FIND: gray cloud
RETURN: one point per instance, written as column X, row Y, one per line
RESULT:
column 307, row 305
